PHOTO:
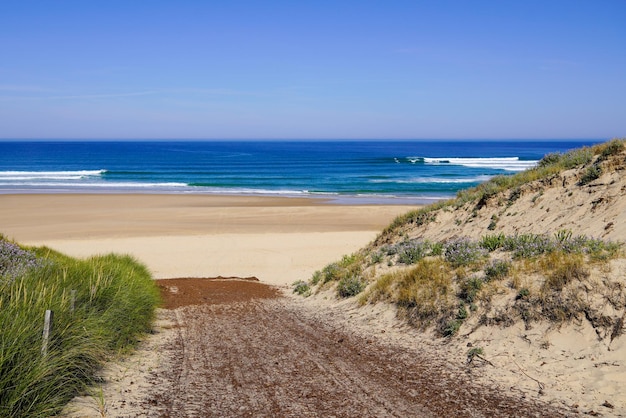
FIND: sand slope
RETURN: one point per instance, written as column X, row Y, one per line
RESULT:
column 576, row 363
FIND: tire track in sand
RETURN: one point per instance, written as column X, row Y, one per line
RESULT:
column 242, row 350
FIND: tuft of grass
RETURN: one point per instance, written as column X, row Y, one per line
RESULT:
column 115, row 302
column 425, row 291
column 381, row 289
column 473, row 352
column 452, row 327
column 349, row 265
column 564, row 268
column 492, row 242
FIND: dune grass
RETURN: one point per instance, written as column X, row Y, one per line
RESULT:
column 436, row 288
column 443, row 283
column 113, row 303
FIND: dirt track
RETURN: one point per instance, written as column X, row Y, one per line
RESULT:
column 243, row 350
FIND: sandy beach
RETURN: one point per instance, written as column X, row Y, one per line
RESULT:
column 281, row 240
column 276, row 239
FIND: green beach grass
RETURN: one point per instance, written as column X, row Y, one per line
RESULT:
column 100, row 307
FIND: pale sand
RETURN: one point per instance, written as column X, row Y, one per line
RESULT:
column 278, row 240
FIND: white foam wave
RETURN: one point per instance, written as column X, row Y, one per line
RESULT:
column 500, row 163
column 437, row 180
column 94, row 185
column 249, row 191
column 49, row 175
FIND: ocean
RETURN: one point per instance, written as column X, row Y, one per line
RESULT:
column 343, row 171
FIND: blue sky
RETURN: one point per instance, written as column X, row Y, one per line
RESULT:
column 323, row 69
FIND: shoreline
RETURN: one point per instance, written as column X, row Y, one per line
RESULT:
column 277, row 239
column 316, row 198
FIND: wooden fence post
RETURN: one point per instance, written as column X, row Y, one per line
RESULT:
column 72, row 300
column 47, row 328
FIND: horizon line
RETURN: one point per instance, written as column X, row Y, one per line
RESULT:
column 351, row 139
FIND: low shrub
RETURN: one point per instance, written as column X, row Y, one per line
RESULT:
column 592, row 173
column 550, row 159
column 349, row 265
column 497, row 270
column 576, row 158
column 350, row 286
column 599, row 250
column 469, row 288
column 15, row 261
column 452, row 327
column 462, row 252
column 377, row 257
column 528, row 245
column 436, row 248
column 411, row 252
column 613, row 147
column 302, row 288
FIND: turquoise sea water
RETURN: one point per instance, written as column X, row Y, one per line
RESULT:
column 390, row 171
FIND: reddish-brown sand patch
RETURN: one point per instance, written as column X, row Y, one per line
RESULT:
column 213, row 291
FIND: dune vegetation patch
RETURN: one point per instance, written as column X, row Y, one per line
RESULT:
column 473, row 272
column 100, row 307
column 444, row 287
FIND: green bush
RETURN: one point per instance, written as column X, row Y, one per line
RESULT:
column 469, row 288
column 463, row 251
column 612, row 147
column 452, row 327
column 302, row 288
column 411, row 252
column 350, row 265
column 350, row 286
column 528, row 245
column 497, row 270
column 592, row 173
column 550, row 159
column 576, row 158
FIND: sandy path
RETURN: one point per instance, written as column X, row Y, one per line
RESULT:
column 247, row 351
